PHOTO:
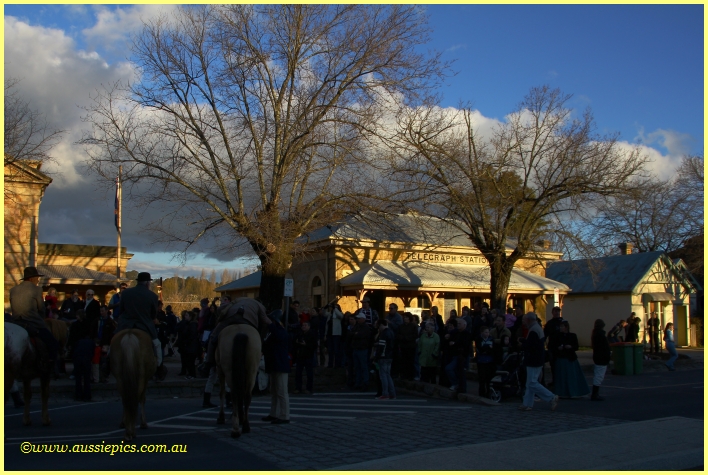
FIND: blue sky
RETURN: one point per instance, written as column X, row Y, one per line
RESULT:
column 639, row 67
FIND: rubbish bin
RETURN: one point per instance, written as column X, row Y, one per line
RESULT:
column 623, row 358
column 638, row 351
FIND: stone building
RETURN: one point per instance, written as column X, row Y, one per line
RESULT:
column 66, row 266
column 612, row 287
column 408, row 260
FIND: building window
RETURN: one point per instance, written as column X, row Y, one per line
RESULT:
column 317, row 291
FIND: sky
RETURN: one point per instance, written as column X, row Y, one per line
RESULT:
column 639, row 68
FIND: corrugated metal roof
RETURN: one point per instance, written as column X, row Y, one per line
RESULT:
column 397, row 228
column 251, row 281
column 76, row 275
column 613, row 274
column 421, row 274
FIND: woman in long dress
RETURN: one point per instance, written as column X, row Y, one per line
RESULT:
column 570, row 380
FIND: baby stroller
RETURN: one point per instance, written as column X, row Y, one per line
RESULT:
column 506, row 382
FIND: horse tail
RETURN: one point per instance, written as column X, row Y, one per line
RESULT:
column 238, row 368
column 130, row 374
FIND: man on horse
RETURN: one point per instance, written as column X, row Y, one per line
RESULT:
column 241, row 310
column 138, row 309
column 28, row 312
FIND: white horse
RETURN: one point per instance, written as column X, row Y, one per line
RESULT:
column 21, row 363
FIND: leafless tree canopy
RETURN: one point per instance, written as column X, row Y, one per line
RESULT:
column 655, row 215
column 515, row 186
column 27, row 134
column 255, row 120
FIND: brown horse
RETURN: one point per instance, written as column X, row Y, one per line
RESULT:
column 133, row 363
column 237, row 358
column 60, row 331
column 21, row 363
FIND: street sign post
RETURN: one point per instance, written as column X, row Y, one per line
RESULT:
column 289, row 288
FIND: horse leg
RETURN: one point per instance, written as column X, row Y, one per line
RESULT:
column 235, row 416
column 44, row 381
column 27, row 383
column 246, row 404
column 143, row 420
column 221, row 418
column 241, row 415
column 9, row 380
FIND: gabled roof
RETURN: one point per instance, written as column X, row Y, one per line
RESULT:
column 613, row 274
column 251, row 281
column 75, row 275
column 396, row 228
column 26, row 171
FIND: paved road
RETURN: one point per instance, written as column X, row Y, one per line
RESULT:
column 330, row 430
column 645, row 396
column 183, row 421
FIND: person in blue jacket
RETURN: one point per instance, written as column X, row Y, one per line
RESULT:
column 275, row 352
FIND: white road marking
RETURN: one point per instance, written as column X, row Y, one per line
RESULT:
column 649, row 387
column 178, row 426
column 376, row 404
column 93, row 437
column 57, row 408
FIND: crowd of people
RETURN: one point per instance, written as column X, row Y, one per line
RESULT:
column 371, row 348
column 375, row 350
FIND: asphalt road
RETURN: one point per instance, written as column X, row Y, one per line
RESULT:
column 644, row 396
column 331, row 429
column 183, row 422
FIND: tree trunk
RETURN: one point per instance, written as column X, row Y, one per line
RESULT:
column 271, row 291
column 274, row 266
column 500, row 274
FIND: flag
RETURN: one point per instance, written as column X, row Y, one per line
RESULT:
column 117, row 205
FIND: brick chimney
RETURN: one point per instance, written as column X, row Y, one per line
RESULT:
column 544, row 243
column 625, row 248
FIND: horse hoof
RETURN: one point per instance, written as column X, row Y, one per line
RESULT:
column 143, row 425
column 246, row 429
column 235, row 435
column 27, row 423
column 220, row 420
column 48, row 422
column 121, row 425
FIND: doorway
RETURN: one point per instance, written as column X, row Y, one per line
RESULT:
column 681, row 325
column 378, row 301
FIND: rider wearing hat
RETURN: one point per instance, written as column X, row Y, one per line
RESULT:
column 138, row 309
column 28, row 310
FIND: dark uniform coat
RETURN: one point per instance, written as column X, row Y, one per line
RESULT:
column 138, row 308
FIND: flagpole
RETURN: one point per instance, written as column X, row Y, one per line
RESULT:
column 119, row 216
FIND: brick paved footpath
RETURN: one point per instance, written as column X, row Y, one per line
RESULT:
column 333, row 444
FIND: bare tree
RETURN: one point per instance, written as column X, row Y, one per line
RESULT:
column 655, row 215
column 252, row 122
column 517, row 185
column 27, row 134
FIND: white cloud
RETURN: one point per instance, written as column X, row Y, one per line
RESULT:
column 162, row 265
column 676, row 143
column 456, row 47
column 114, row 27
column 57, row 81
column 663, row 166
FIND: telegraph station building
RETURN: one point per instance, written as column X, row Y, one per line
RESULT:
column 409, row 260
